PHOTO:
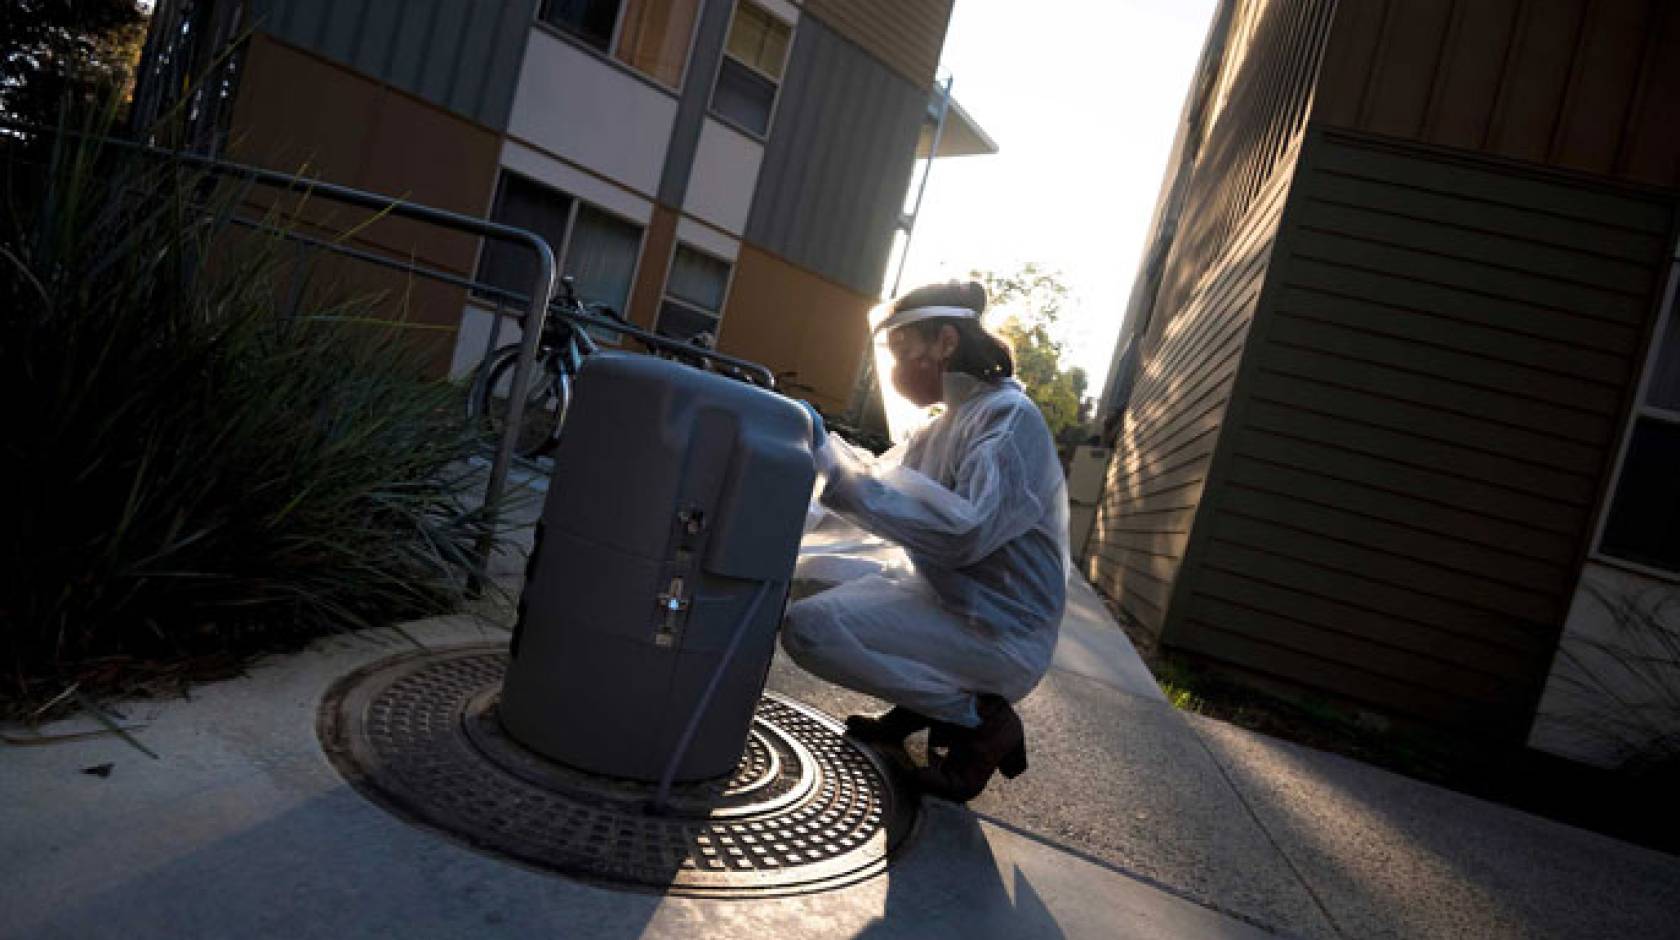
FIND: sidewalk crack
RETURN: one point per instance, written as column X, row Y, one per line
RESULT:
column 1277, row 846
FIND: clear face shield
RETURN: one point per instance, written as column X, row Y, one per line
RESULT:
column 903, row 415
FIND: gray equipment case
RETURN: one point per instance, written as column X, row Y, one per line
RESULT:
column 678, row 495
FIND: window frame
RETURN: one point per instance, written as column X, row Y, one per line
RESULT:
column 496, row 192
column 1641, row 410
column 572, row 39
column 777, row 83
column 665, row 295
column 492, row 304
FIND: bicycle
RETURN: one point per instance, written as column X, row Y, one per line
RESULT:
column 560, row 353
column 561, row 350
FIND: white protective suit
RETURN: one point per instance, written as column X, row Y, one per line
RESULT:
column 978, row 501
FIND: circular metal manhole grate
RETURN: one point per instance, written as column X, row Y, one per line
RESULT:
column 806, row 809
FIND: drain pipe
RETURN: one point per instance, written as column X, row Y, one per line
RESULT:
column 662, row 798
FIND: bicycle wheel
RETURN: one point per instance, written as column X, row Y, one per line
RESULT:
column 543, row 404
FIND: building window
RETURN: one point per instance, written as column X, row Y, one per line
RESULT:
column 752, row 68
column 597, row 249
column 601, row 257
column 521, row 203
column 694, row 292
column 650, row 36
column 1643, row 524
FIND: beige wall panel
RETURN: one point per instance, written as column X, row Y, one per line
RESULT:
column 905, row 34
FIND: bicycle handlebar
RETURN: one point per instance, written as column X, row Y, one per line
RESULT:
column 577, row 313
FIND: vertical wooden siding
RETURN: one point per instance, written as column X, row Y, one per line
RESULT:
column 462, row 55
column 1432, row 385
column 1211, row 279
column 838, row 160
column 1250, row 140
column 1586, row 85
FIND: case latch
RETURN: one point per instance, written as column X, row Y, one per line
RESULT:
column 674, row 605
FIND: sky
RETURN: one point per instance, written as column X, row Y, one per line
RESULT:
column 1083, row 99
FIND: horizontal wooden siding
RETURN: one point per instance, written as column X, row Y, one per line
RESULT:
column 1438, row 375
column 1196, row 324
column 1156, row 477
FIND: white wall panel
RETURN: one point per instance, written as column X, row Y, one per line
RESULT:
column 475, row 331
column 571, row 103
column 720, row 190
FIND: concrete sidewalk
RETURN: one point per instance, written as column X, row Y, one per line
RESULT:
column 1134, row 821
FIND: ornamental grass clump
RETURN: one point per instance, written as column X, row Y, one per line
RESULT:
column 203, row 465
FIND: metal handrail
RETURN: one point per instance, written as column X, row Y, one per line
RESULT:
column 581, row 317
column 539, row 303
column 542, row 288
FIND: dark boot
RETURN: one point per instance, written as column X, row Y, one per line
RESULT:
column 891, row 728
column 998, row 743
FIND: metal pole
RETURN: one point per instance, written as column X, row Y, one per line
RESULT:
column 860, row 396
column 933, row 154
column 491, row 338
column 536, row 314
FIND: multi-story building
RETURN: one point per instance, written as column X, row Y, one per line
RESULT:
column 1405, row 410
column 735, row 167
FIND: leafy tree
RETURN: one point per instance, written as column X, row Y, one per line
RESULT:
column 1030, row 301
column 55, row 53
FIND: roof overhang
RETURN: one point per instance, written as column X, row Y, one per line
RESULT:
column 962, row 136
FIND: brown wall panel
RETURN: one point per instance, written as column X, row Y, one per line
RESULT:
column 301, row 114
column 1565, row 83
column 1536, row 78
column 1398, row 92
column 1603, row 84
column 654, row 266
column 429, row 312
column 1467, row 84
column 295, row 111
column 1649, row 149
column 1356, row 35
column 794, row 321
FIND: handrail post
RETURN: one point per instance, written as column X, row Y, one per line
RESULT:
column 541, row 292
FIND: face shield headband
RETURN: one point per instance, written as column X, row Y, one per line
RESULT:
column 911, row 315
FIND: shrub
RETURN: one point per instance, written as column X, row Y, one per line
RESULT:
column 200, row 469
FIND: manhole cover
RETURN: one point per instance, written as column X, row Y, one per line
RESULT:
column 806, row 809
